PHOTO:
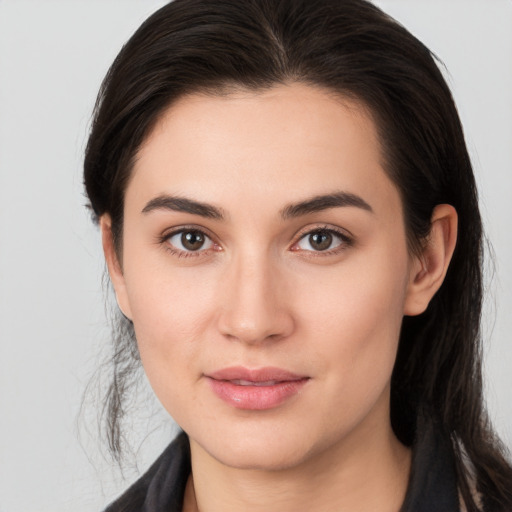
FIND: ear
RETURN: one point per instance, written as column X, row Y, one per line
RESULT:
column 114, row 266
column 429, row 268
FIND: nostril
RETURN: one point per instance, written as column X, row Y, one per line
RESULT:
column 272, row 326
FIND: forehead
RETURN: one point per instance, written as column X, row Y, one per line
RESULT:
column 281, row 141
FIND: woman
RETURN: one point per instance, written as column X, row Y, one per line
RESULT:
column 291, row 227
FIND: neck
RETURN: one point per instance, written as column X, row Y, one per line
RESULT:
column 352, row 475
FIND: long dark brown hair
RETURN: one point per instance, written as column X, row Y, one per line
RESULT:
column 352, row 48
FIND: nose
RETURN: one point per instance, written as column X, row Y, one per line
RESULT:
column 254, row 305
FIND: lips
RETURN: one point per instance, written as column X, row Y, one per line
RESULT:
column 255, row 389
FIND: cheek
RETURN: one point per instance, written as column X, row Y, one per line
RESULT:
column 171, row 313
column 355, row 316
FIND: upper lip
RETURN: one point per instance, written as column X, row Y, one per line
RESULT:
column 267, row 374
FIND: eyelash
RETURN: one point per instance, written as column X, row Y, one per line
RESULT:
column 346, row 241
column 164, row 240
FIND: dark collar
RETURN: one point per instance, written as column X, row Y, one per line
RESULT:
column 433, row 481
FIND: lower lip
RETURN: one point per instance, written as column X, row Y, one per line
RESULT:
column 256, row 398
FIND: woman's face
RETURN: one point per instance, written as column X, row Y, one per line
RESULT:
column 265, row 267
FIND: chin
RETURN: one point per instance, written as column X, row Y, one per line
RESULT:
column 268, row 447
column 263, row 458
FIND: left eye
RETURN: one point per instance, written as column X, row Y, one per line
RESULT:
column 190, row 240
column 321, row 240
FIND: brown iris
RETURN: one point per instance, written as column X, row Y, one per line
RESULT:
column 320, row 240
column 192, row 240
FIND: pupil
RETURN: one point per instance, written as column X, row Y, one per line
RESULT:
column 192, row 240
column 321, row 240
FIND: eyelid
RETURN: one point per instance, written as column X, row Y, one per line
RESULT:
column 311, row 228
column 347, row 239
column 164, row 238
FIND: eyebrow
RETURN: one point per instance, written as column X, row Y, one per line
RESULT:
column 182, row 204
column 324, row 202
column 308, row 206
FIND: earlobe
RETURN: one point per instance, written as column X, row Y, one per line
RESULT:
column 428, row 269
column 114, row 266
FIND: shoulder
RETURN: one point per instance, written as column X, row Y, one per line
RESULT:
column 162, row 487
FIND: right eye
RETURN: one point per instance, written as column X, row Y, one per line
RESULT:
column 189, row 241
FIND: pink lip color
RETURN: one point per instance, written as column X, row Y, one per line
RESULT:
column 260, row 389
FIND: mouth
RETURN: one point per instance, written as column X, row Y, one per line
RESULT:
column 255, row 389
column 239, row 382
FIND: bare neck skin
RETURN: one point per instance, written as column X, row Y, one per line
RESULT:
column 367, row 471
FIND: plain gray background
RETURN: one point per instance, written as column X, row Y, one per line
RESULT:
column 53, row 55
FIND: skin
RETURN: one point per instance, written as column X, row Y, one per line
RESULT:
column 259, row 293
